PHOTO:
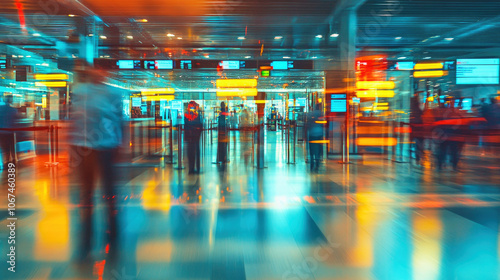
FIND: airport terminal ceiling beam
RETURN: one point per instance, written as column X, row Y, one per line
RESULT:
column 460, row 33
column 42, row 37
column 342, row 6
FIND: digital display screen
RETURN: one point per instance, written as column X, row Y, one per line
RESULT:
column 3, row 63
column 158, row 64
column 299, row 102
column 478, row 71
column 129, row 64
column 149, row 64
column 338, row 106
column 265, row 73
column 338, row 103
column 176, row 105
column 164, row 64
column 186, row 64
column 136, row 102
column 405, row 65
column 231, row 64
column 466, row 104
column 282, row 65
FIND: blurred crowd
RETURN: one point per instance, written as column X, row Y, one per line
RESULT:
column 449, row 127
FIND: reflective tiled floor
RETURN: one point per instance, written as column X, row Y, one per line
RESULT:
column 367, row 220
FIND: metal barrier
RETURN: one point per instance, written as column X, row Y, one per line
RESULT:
column 53, row 138
column 179, row 147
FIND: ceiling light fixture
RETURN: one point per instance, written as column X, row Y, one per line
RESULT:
column 179, row 38
column 398, row 38
column 170, row 35
column 319, row 36
column 103, row 37
column 130, row 37
column 241, row 38
column 36, row 34
column 334, row 35
column 248, row 56
column 402, row 57
column 449, row 39
column 278, row 37
column 286, row 57
column 71, row 15
column 427, row 57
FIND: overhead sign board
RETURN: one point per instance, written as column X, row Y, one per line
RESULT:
column 478, row 71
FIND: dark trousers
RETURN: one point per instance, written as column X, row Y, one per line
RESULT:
column 315, row 151
column 194, row 155
column 222, row 147
column 92, row 164
column 419, row 148
column 7, row 146
column 453, row 149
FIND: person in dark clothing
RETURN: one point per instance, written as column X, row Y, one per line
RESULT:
column 96, row 135
column 450, row 144
column 193, row 128
column 8, row 120
column 314, row 136
column 416, row 127
column 222, row 135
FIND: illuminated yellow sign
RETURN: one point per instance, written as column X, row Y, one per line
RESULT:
column 377, row 141
column 375, row 93
column 50, row 84
column 375, row 85
column 379, row 108
column 430, row 74
column 236, row 83
column 428, row 66
column 51, row 77
column 153, row 91
column 158, row 97
column 237, row 92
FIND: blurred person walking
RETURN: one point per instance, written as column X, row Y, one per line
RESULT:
column 246, row 134
column 193, row 127
column 8, row 120
column 315, row 136
column 222, row 135
column 417, row 132
column 96, row 136
column 447, row 130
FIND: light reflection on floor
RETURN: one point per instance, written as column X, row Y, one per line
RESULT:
column 354, row 221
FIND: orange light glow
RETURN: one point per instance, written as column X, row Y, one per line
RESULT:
column 430, row 74
column 154, row 91
column 375, row 85
column 377, row 142
column 405, row 129
column 319, row 141
column 237, row 92
column 51, row 77
column 50, row 84
column 158, row 98
column 428, row 66
column 236, row 83
column 375, row 93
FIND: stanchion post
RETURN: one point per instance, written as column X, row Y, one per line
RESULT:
column 179, row 147
column 288, row 142
column 15, row 148
column 50, row 144
column 56, row 148
column 294, row 141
